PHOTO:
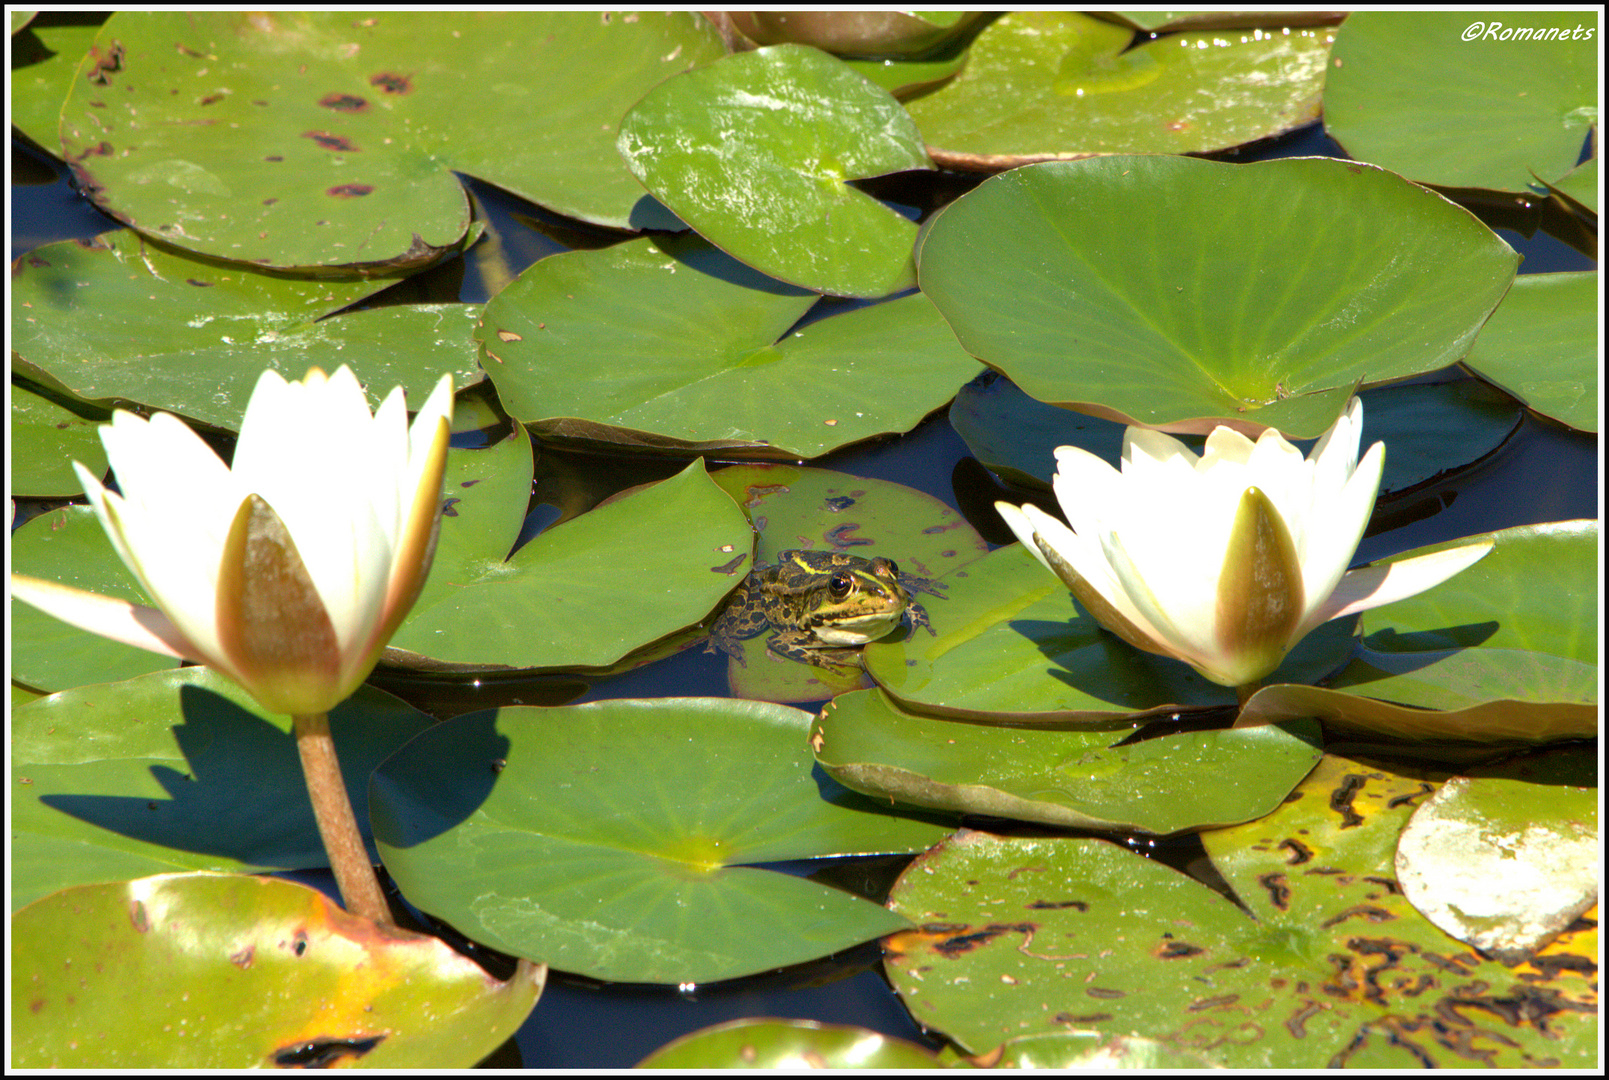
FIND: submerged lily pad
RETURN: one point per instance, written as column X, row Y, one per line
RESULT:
column 611, row 839
column 1461, row 99
column 320, row 139
column 756, row 152
column 574, row 597
column 1508, row 859
column 822, row 510
column 1046, row 84
column 1506, row 650
column 1541, row 345
column 142, row 974
column 1076, row 779
column 1023, row 936
column 1428, row 429
column 1011, row 644
column 120, row 320
column 788, row 1044
column 176, row 770
column 667, row 344
column 1179, row 293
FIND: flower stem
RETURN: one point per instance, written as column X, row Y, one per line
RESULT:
column 1243, row 693
column 337, row 826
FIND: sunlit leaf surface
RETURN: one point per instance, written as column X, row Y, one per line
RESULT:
column 1176, row 292
column 669, row 344
column 1541, row 345
column 324, row 139
column 1044, row 84
column 756, row 152
column 204, row 971
column 1455, row 98
column 611, row 839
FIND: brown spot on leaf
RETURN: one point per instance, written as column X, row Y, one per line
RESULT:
column 1341, row 799
column 1176, row 950
column 1367, row 912
column 275, row 157
column 331, row 142
column 324, row 1053
column 839, row 536
column 1212, row 1003
column 210, row 99
column 1105, row 992
column 509, row 335
column 1080, row 1021
column 1299, row 852
column 106, row 64
column 138, row 918
column 1413, row 798
column 185, row 50
column 244, row 957
column 344, row 103
column 350, row 191
column 1058, row 905
column 388, row 82
column 198, row 284
column 1279, row 891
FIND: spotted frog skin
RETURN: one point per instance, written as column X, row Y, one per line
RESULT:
column 822, row 604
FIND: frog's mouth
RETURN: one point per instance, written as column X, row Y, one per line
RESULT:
column 858, row 630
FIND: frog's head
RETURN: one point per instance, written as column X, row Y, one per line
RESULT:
column 858, row 601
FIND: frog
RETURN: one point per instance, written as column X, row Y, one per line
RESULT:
column 823, row 605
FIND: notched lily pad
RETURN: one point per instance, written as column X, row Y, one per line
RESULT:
column 755, row 152
column 1040, row 85
column 211, row 971
column 1490, row 100
column 668, row 345
column 558, row 601
column 1075, row 779
column 612, row 839
column 316, row 139
column 1180, row 293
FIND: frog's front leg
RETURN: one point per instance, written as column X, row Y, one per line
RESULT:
column 739, row 622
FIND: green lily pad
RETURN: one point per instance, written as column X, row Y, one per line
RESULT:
column 316, row 139
column 1541, row 346
column 176, row 770
column 1428, row 429
column 1025, row 936
column 120, row 320
column 562, row 600
column 1010, row 643
column 822, row 510
column 756, row 152
column 609, row 839
column 1048, row 84
column 45, row 441
column 205, row 971
column 44, row 61
column 788, row 1044
column 1180, row 293
column 1075, row 1049
column 1455, row 98
column 1506, row 650
column 1164, row 21
column 1076, row 779
column 1507, row 860
column 861, row 32
column 668, row 344
column 68, row 545
column 904, row 77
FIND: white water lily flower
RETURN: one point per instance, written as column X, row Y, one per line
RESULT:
column 291, row 570
column 1226, row 560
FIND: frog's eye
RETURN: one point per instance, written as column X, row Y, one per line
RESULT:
column 841, row 583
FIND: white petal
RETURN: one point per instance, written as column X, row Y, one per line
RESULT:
column 1023, row 528
column 1337, row 525
column 142, row 627
column 1386, row 583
